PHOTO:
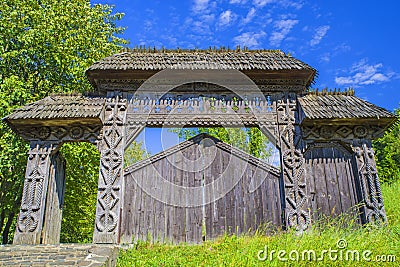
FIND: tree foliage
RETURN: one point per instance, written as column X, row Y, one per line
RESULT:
column 45, row 47
column 387, row 154
column 251, row 140
column 79, row 208
column 134, row 153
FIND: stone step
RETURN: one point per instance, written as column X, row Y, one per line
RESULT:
column 59, row 255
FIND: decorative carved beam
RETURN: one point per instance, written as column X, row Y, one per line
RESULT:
column 292, row 164
column 341, row 132
column 201, row 120
column 64, row 133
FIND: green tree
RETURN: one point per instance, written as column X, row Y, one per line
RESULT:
column 45, row 47
column 134, row 153
column 251, row 140
column 387, row 153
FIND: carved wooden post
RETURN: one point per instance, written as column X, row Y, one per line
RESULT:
column 111, row 173
column 31, row 216
column 371, row 199
column 292, row 163
column 55, row 201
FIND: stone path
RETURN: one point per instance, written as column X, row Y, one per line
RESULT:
column 59, row 255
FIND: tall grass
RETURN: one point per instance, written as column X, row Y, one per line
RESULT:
column 340, row 234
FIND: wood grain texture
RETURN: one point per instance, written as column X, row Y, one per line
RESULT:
column 219, row 205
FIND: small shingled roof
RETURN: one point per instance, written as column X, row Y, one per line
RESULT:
column 200, row 59
column 341, row 106
column 60, row 107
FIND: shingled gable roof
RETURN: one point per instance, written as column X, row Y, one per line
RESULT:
column 200, row 59
column 196, row 140
column 59, row 107
column 142, row 62
column 342, row 108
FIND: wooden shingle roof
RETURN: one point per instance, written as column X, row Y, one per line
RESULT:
column 262, row 66
column 341, row 107
column 59, row 107
column 200, row 59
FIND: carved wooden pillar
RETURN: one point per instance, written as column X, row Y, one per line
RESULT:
column 293, row 183
column 54, row 201
column 111, row 173
column 31, row 216
column 370, row 193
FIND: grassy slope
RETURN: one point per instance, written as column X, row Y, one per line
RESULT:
column 242, row 251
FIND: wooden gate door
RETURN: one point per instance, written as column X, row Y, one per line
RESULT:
column 196, row 190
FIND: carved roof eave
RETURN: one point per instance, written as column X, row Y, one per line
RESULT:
column 291, row 77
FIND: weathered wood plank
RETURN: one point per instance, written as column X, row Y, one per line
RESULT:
column 54, row 201
column 331, row 181
column 320, row 183
column 237, row 209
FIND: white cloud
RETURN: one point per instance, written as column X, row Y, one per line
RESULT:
column 200, row 6
column 326, row 57
column 292, row 4
column 237, row 2
column 320, row 32
column 250, row 15
column 249, row 39
column 261, row 3
column 282, row 29
column 226, row 18
column 363, row 73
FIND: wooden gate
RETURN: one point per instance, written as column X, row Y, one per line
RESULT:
column 196, row 190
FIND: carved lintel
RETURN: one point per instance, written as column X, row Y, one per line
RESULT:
column 75, row 132
column 111, row 173
column 31, row 216
column 371, row 194
column 292, row 164
column 341, row 132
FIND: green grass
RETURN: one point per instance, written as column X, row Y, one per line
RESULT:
column 242, row 251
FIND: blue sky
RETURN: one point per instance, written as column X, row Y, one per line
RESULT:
column 351, row 43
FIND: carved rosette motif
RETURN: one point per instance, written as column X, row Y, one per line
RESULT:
column 369, row 183
column 111, row 172
column 34, row 193
column 292, row 163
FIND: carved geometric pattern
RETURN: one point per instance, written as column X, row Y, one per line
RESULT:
column 292, row 164
column 75, row 132
column 111, row 164
column 202, row 120
column 264, row 84
column 369, row 183
column 34, row 188
column 200, row 105
column 348, row 132
column 344, row 131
